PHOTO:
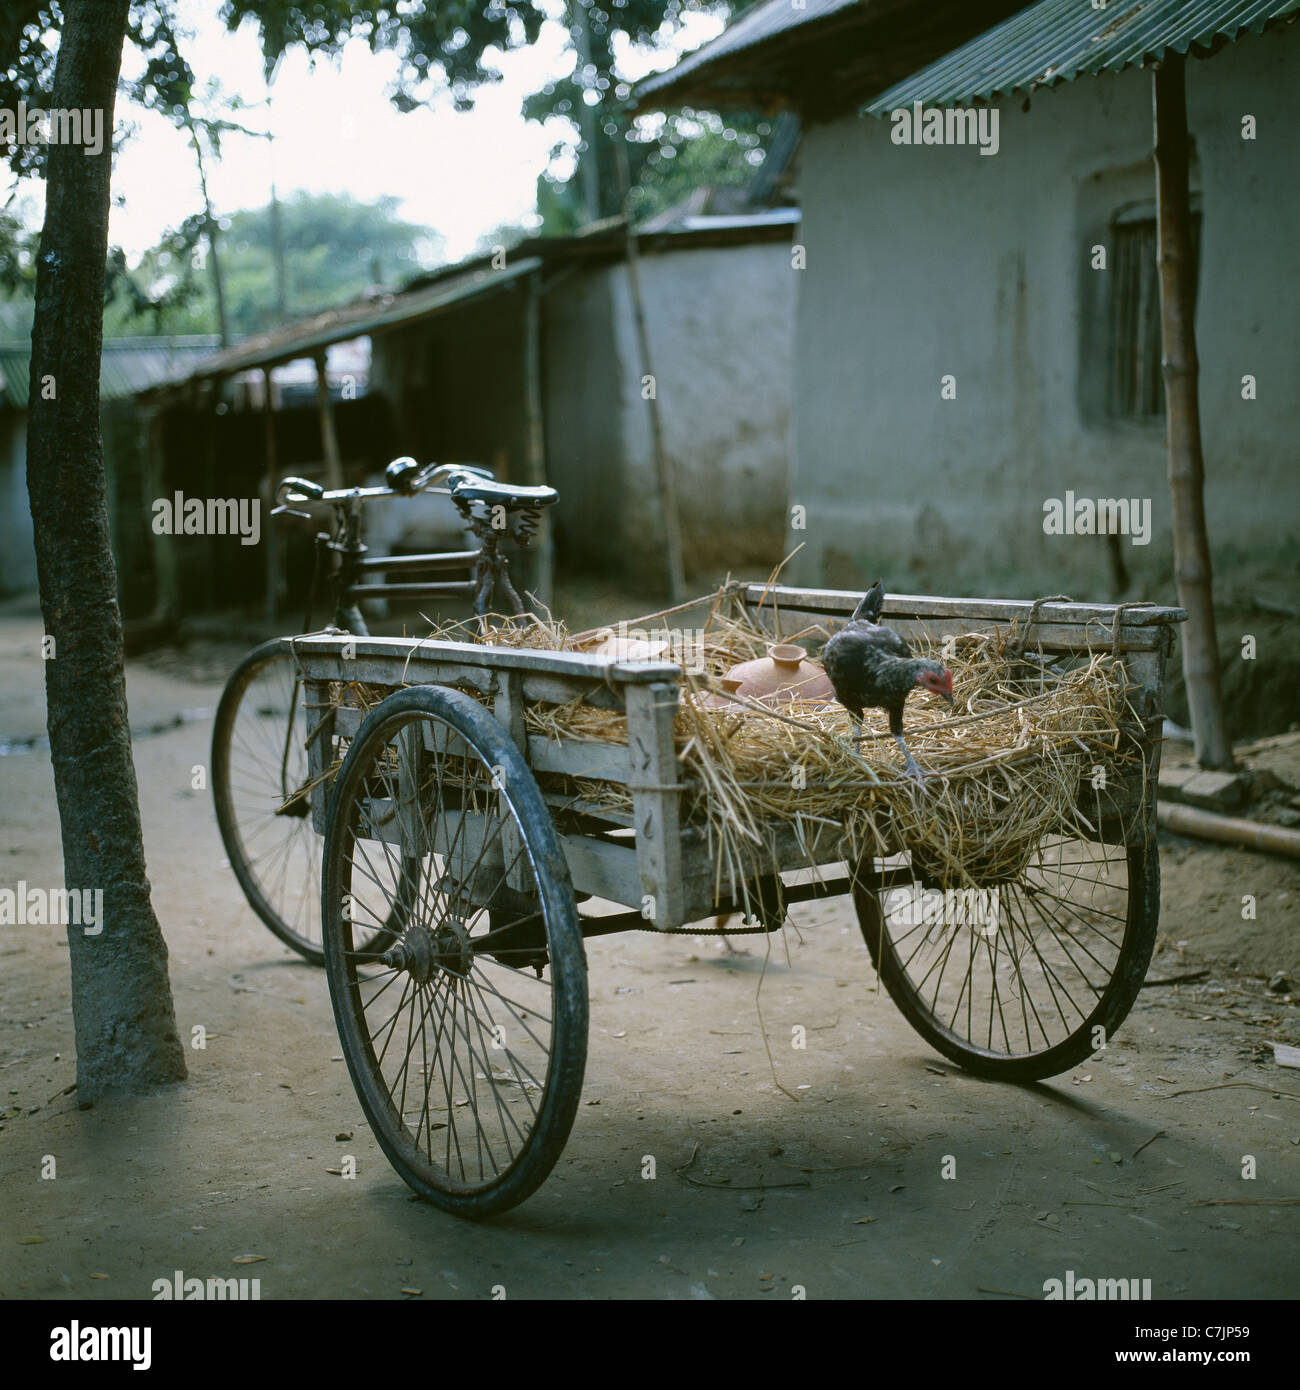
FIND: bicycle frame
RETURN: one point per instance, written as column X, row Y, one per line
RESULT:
column 352, row 567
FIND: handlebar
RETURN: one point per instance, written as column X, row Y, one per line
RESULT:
column 410, row 477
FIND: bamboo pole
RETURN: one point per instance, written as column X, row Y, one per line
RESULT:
column 535, row 437
column 328, row 436
column 167, row 601
column 665, row 471
column 1228, row 830
column 1186, row 464
column 272, row 468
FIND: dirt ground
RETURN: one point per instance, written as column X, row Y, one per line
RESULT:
column 1128, row 1166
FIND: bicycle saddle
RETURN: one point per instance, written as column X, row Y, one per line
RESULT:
column 501, row 494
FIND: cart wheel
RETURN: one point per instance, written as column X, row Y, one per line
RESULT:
column 258, row 763
column 467, row 1036
column 1031, row 980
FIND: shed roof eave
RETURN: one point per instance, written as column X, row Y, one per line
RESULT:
column 1055, row 41
column 266, row 353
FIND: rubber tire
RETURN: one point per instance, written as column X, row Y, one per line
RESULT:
column 227, row 711
column 1111, row 1009
column 568, row 962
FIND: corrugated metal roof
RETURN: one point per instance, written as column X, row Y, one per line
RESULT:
column 457, row 284
column 127, row 365
column 307, row 337
column 761, row 23
column 1058, row 40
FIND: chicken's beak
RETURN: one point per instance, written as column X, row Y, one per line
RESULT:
column 947, row 696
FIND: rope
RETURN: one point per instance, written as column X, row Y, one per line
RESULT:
column 1032, row 617
column 1119, row 617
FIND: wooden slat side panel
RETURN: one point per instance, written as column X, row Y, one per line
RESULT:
column 414, row 656
column 1069, row 638
column 603, row 869
column 841, row 603
column 605, row 762
column 821, row 846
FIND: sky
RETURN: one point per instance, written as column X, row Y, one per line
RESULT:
column 335, row 131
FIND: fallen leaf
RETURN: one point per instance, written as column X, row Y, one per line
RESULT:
column 864, row 1220
column 247, row 1259
column 31, row 1240
column 414, row 1292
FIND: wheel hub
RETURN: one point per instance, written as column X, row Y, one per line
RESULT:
column 422, row 953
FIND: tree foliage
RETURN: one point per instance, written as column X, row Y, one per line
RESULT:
column 455, row 47
column 334, row 248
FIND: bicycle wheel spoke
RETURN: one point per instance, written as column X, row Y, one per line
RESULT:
column 1028, row 973
column 455, row 1067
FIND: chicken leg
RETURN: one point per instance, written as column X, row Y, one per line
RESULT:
column 913, row 767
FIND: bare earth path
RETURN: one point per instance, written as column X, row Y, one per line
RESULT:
column 841, row 1193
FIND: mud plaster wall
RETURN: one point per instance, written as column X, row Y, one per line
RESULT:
column 720, row 326
column 933, row 260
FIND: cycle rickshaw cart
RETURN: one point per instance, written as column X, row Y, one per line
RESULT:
column 461, row 836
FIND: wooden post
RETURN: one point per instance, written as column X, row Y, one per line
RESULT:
column 167, row 602
column 1186, row 465
column 535, row 438
column 329, row 439
column 653, row 776
column 272, row 470
column 665, row 472
column 508, row 707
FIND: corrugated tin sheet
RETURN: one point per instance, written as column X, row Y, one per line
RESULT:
column 306, row 337
column 761, row 23
column 126, row 366
column 1057, row 40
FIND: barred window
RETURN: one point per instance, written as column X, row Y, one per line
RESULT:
column 1137, row 389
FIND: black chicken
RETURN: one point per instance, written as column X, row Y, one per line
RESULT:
column 871, row 667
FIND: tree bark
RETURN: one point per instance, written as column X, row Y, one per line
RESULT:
column 1186, row 465
column 121, row 997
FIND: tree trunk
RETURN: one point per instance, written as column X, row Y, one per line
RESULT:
column 1182, row 408
column 121, row 997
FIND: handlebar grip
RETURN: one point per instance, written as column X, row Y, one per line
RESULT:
column 309, row 491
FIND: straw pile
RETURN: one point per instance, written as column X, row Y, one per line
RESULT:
column 1004, row 764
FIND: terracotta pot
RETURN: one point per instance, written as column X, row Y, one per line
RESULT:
column 782, row 675
column 730, row 684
